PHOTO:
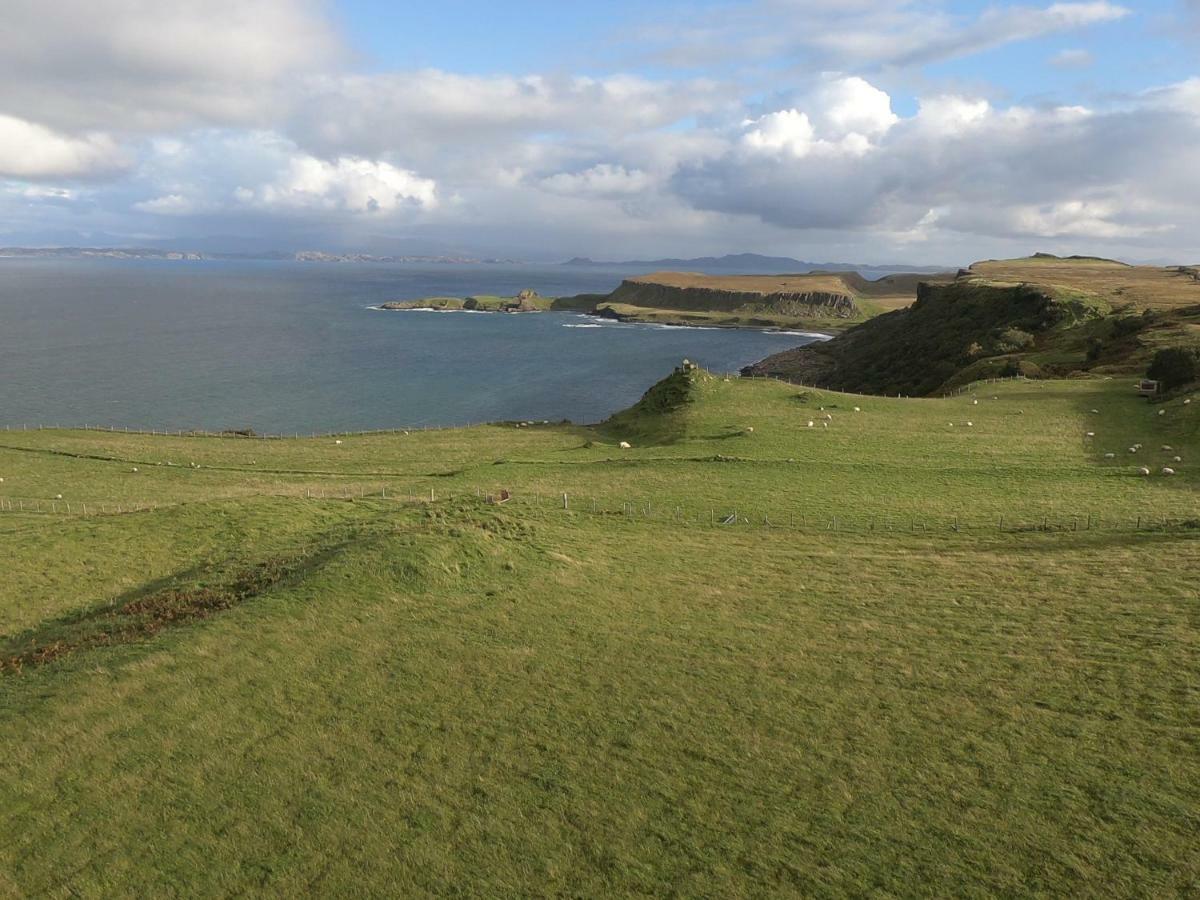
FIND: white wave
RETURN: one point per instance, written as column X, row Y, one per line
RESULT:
column 809, row 334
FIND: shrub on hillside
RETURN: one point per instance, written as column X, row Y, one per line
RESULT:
column 1174, row 366
column 1012, row 340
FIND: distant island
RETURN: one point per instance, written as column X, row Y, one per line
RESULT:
column 751, row 264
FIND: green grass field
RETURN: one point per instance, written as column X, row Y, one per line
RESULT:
column 299, row 674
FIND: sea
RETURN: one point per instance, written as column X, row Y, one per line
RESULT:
column 291, row 347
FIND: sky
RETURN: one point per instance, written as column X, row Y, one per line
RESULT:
column 928, row 132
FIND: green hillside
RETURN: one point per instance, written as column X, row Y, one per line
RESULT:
column 939, row 642
column 1038, row 316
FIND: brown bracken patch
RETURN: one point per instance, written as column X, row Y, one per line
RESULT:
column 143, row 617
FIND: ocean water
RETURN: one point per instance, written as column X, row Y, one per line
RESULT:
column 296, row 347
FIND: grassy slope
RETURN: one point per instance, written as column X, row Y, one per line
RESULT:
column 1080, row 314
column 521, row 699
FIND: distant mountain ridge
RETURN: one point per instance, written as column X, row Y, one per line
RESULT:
column 754, row 264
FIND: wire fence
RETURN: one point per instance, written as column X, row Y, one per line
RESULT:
column 250, row 434
column 722, row 515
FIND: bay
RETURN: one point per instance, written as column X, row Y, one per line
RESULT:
column 296, row 347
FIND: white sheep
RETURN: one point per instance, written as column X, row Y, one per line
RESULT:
column 338, row 443
column 1187, row 402
column 1091, row 434
column 1143, row 471
column 1167, row 470
column 749, row 431
column 135, row 468
column 1167, row 448
column 974, row 402
column 824, row 424
column 1095, row 412
column 1162, row 412
column 1133, row 449
column 625, row 445
column 857, row 409
column 970, row 424
column 1110, row 456
column 58, row 496
column 1174, row 459
column 811, row 423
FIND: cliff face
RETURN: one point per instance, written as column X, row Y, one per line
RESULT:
column 802, row 304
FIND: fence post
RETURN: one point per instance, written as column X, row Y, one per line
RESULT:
column 565, row 502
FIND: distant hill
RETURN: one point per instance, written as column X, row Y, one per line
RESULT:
column 1043, row 315
column 751, row 264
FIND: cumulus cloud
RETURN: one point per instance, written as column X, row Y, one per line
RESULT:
column 231, row 173
column 77, row 65
column 347, row 184
column 961, row 164
column 29, row 150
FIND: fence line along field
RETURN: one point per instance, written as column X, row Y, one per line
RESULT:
column 949, row 642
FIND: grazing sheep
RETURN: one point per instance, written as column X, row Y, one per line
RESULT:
column 1095, row 412
column 1167, row 470
column 1143, row 471
column 1174, row 459
column 857, row 409
column 625, row 445
column 1133, row 449
column 134, row 469
column 749, row 431
column 1162, row 412
column 1187, row 402
column 58, row 496
column 1110, row 456
column 1, row 481
column 338, row 443
column 951, row 424
column 828, row 417
column 811, row 423
column 1091, row 434
column 824, row 424
column 970, row 424
column 974, row 402
column 1167, row 448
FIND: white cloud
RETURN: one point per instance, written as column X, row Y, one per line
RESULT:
column 29, row 150
column 1077, row 218
column 599, row 180
column 961, row 165
column 853, row 34
column 76, row 65
column 168, row 205
column 348, row 184
column 1072, row 58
